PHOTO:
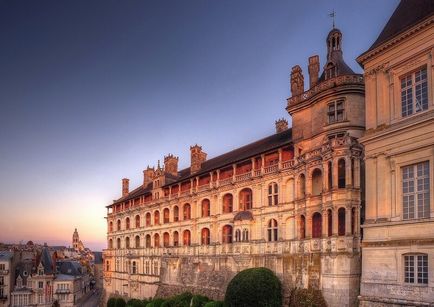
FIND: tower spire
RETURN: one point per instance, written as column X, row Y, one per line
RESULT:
column 333, row 15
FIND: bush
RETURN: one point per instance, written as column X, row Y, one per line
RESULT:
column 199, row 301
column 155, row 302
column 120, row 302
column 214, row 304
column 181, row 300
column 307, row 298
column 256, row 287
column 111, row 302
column 136, row 303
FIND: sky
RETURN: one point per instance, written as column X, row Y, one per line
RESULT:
column 94, row 91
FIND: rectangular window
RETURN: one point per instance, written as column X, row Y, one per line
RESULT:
column 415, row 191
column 40, row 284
column 2, row 267
column 336, row 112
column 416, row 269
column 414, row 92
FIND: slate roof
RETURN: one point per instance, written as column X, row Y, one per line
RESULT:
column 237, row 155
column 407, row 14
column 46, row 261
column 6, row 255
column 73, row 268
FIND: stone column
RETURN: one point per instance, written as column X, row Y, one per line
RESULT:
column 348, row 220
column 348, row 177
column 308, row 225
column 325, row 182
column 335, row 173
column 356, row 182
column 335, row 221
column 324, row 223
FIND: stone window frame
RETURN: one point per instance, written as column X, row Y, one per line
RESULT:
column 416, row 179
column 273, row 194
column 334, row 103
column 412, row 77
column 403, row 270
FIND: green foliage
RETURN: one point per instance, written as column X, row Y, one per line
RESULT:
column 181, row 300
column 199, row 301
column 111, row 302
column 155, row 302
column 307, row 298
column 256, row 287
column 214, row 304
column 136, row 303
column 120, row 302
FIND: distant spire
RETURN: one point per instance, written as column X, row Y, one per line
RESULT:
column 333, row 15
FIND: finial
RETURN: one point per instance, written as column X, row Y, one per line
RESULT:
column 158, row 164
column 333, row 15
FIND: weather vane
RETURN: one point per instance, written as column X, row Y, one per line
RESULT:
column 333, row 15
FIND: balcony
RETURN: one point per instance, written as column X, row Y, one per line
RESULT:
column 271, row 169
column 287, row 164
column 63, row 291
column 242, row 177
column 203, row 187
column 226, row 181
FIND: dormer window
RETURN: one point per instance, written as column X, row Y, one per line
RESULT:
column 330, row 71
column 414, row 92
column 336, row 110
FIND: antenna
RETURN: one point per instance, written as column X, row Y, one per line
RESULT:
column 333, row 15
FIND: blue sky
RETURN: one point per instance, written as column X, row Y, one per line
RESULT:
column 94, row 91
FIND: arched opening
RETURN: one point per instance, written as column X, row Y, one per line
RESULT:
column 156, row 240
column 227, row 234
column 206, row 210
column 137, row 239
column 227, row 203
column 127, row 242
column 273, row 194
column 186, row 238
column 187, row 212
column 302, row 227
column 127, row 223
column 245, row 235
column 111, row 226
column 316, row 225
column 330, row 175
column 301, row 186
column 353, row 220
column 110, row 244
column 148, row 241
column 157, row 217
column 148, row 219
column 175, row 238
column 166, row 239
column 237, row 235
column 290, row 187
column 205, row 236
column 316, row 182
column 272, row 230
column 166, row 216
column 329, row 223
column 246, row 199
column 341, row 221
column 175, row 214
column 341, row 174
column 118, row 243
column 137, row 221
column 118, row 225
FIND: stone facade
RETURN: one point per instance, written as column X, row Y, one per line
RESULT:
column 398, row 243
column 290, row 202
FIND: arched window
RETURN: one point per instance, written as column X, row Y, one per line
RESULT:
column 302, row 227
column 166, row 216
column 227, row 234
column 237, row 235
column 205, row 236
column 273, row 194
column 245, row 235
column 156, row 240
column 316, row 225
column 166, row 239
column 133, row 267
column 272, row 230
column 341, row 173
column 175, row 238
column 148, row 241
column 127, row 223
column 341, row 221
column 127, row 242
column 290, row 188
column 227, row 203
column 110, row 244
column 186, row 238
column 137, row 221
column 301, row 186
column 187, row 212
column 329, row 223
column 157, row 217
column 246, row 199
column 118, row 243
column 316, row 182
column 330, row 175
column 111, row 226
column 175, row 214
column 148, row 219
column 137, row 239
column 206, row 210
column 118, row 225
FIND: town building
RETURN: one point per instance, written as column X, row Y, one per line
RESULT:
column 398, row 242
column 6, row 277
column 291, row 202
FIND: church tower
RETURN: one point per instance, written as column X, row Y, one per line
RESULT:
column 75, row 240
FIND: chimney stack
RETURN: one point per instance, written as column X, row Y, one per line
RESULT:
column 197, row 158
column 281, row 125
column 148, row 174
column 171, row 164
column 297, row 81
column 313, row 70
column 125, row 187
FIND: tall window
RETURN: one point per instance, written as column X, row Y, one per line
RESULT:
column 273, row 194
column 107, row 268
column 329, row 223
column 127, row 223
column 148, row 241
column 157, row 217
column 341, row 221
column 302, row 227
column 316, row 225
column 227, row 234
column 416, row 269
column 186, row 238
column 137, row 241
column 148, row 219
column 156, row 240
column 301, row 186
column 341, row 174
column 166, row 215
column 187, row 212
column 336, row 111
column 166, row 239
column 330, row 175
column 205, row 237
column 111, row 227
column 175, row 238
column 110, row 244
column 415, row 191
column 118, row 243
column 316, row 182
column 147, row 267
column 137, row 221
column 118, row 226
column 414, row 92
column 237, row 235
column 272, row 230
column 245, row 199
column 245, row 235
column 176, row 214
column 227, row 203
column 205, row 208
column 127, row 242
column 134, row 267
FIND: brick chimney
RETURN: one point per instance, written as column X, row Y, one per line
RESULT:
column 197, row 158
column 281, row 125
column 313, row 70
column 125, row 186
column 148, row 174
column 171, row 164
column 297, row 81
